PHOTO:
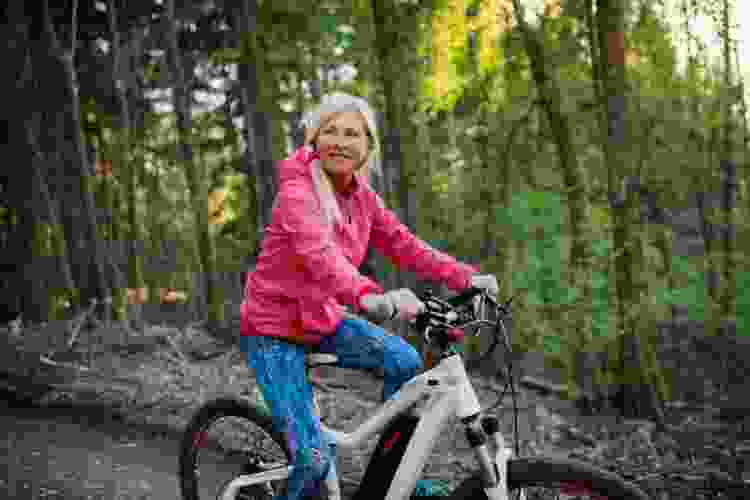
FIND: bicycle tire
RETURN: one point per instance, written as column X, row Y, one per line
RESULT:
column 522, row 473
column 556, row 474
column 209, row 413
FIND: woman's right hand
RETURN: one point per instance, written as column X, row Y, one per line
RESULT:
column 401, row 303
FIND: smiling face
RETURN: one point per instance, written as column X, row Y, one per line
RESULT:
column 342, row 142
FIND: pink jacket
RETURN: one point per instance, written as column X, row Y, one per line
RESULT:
column 301, row 277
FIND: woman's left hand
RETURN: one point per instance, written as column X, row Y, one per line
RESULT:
column 486, row 282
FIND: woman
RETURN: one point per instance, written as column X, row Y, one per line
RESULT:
column 324, row 217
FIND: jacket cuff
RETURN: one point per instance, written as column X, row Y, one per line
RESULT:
column 473, row 271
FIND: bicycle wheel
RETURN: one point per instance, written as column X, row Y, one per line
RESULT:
column 226, row 438
column 547, row 479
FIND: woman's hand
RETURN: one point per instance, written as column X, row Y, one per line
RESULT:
column 402, row 304
column 486, row 282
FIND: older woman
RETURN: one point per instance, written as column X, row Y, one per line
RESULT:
column 324, row 218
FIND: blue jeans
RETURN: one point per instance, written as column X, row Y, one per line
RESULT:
column 280, row 374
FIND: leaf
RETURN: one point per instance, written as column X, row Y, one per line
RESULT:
column 600, row 216
column 558, row 295
column 665, row 296
column 536, row 199
column 533, row 298
column 600, row 325
column 328, row 23
column 599, row 281
column 571, row 296
column 551, row 344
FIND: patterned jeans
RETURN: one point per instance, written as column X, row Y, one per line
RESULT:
column 280, row 373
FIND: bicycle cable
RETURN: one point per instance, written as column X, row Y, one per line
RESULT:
column 438, row 309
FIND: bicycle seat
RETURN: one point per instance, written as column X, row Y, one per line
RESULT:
column 313, row 359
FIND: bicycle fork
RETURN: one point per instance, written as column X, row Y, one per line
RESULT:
column 493, row 472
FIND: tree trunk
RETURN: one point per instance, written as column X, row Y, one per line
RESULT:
column 398, row 78
column 27, row 245
column 577, row 201
column 17, row 184
column 728, row 176
column 596, row 69
column 67, row 287
column 196, row 182
column 721, row 315
column 92, row 283
column 122, row 163
column 258, row 157
column 635, row 389
column 316, row 87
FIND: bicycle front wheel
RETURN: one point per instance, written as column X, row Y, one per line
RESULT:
column 548, row 479
column 227, row 438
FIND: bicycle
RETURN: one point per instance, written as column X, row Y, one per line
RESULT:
column 407, row 435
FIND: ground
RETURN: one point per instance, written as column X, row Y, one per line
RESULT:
column 159, row 376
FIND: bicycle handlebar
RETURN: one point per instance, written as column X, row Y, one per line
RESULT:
column 444, row 315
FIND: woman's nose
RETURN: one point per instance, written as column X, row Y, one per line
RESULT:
column 339, row 142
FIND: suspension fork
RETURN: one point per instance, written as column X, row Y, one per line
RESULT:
column 492, row 469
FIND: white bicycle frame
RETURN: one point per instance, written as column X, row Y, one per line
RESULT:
column 449, row 394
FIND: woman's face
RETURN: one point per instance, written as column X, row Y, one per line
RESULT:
column 342, row 143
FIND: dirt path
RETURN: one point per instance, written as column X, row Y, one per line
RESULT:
column 163, row 375
column 70, row 455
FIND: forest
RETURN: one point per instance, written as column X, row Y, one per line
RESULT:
column 557, row 144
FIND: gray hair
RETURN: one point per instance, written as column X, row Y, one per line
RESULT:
column 337, row 102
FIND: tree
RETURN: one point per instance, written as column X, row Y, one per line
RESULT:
column 258, row 158
column 195, row 179
column 81, row 231
column 637, row 392
column 399, row 81
column 728, row 175
column 576, row 189
column 122, row 78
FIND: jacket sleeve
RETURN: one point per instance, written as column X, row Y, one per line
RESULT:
column 394, row 240
column 300, row 217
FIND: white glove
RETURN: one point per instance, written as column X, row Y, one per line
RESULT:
column 402, row 304
column 486, row 282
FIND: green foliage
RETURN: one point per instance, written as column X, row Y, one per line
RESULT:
column 742, row 304
column 692, row 295
column 535, row 218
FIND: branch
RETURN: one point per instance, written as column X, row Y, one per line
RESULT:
column 73, row 28
column 516, row 127
column 49, row 28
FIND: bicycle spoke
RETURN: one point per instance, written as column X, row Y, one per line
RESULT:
column 232, row 446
